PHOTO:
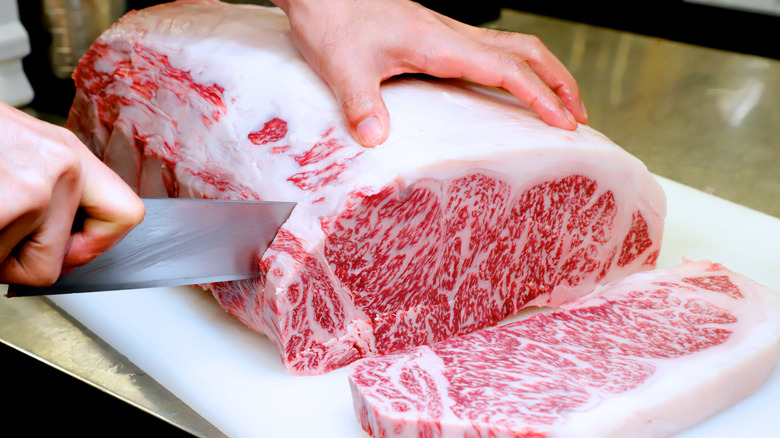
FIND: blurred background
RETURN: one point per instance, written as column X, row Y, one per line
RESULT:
column 60, row 31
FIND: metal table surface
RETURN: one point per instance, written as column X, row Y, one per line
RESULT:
column 706, row 118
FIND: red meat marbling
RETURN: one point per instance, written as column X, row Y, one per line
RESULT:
column 472, row 209
column 650, row 355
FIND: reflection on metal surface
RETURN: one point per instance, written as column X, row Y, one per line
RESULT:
column 619, row 67
column 37, row 327
column 704, row 117
column 578, row 44
column 736, row 104
column 74, row 25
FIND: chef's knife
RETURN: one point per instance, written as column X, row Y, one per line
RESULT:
column 179, row 242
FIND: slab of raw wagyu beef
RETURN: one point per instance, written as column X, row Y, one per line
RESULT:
column 648, row 356
column 472, row 209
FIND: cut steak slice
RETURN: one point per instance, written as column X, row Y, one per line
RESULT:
column 472, row 209
column 650, row 355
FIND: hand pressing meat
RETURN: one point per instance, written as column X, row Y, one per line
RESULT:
column 354, row 46
column 46, row 175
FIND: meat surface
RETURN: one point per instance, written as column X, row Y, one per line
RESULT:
column 648, row 356
column 472, row 209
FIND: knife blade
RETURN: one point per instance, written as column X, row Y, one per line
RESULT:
column 179, row 242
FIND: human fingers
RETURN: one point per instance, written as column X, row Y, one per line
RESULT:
column 552, row 71
column 357, row 91
column 34, row 241
column 16, row 225
column 538, row 57
column 461, row 56
column 110, row 208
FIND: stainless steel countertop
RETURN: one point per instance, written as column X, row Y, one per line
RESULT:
column 706, row 118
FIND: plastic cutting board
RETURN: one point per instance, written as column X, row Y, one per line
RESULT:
column 234, row 378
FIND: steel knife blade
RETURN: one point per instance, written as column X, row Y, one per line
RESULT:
column 179, row 242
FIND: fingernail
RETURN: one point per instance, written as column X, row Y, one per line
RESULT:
column 369, row 131
column 570, row 116
column 584, row 110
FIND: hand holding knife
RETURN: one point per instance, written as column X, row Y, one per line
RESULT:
column 179, row 242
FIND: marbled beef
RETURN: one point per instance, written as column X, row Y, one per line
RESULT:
column 472, row 209
column 646, row 357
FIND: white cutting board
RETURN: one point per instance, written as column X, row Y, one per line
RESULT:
column 234, row 378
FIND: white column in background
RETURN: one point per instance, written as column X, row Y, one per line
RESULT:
column 15, row 89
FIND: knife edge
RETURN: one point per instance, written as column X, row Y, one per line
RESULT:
column 179, row 242
column 15, row 290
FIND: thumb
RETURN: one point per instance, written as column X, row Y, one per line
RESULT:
column 363, row 107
